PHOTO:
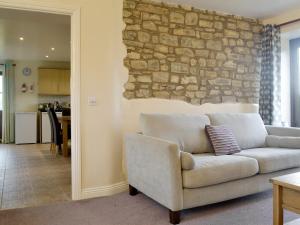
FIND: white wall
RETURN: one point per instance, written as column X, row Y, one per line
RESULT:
column 133, row 108
column 27, row 102
column 283, row 17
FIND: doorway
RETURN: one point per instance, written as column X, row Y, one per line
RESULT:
column 74, row 13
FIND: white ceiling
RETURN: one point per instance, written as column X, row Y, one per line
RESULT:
column 41, row 32
column 248, row 8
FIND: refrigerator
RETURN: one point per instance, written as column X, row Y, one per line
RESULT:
column 26, row 127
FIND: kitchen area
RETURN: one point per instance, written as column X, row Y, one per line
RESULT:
column 48, row 87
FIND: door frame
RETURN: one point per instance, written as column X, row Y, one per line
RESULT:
column 74, row 12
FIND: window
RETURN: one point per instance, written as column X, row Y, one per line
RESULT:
column 1, row 90
column 295, row 82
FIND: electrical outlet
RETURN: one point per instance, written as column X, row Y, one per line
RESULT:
column 92, row 101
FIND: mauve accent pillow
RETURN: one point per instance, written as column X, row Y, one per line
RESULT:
column 222, row 140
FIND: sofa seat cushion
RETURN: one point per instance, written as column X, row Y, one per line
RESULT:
column 273, row 159
column 210, row 169
column 188, row 131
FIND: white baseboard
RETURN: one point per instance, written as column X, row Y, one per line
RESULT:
column 104, row 190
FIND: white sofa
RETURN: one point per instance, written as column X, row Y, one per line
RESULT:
column 172, row 161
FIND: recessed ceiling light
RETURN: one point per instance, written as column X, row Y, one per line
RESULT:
column 21, row 38
column 47, row 56
column 52, row 49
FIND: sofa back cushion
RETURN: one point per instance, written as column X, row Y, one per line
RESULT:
column 188, row 131
column 248, row 128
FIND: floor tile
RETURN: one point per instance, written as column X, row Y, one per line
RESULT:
column 31, row 176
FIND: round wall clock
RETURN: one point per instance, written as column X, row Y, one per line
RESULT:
column 26, row 71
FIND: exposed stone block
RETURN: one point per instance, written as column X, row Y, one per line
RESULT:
column 144, row 79
column 153, row 65
column 231, row 34
column 133, row 27
column 161, row 94
column 179, row 68
column 228, row 99
column 138, row 64
column 191, row 18
column 184, row 51
column 246, row 35
column 184, row 32
column 168, row 39
column 149, row 25
column 143, row 93
column 161, row 48
column 152, row 9
column 192, row 43
column 134, row 55
column 161, row 77
column 218, row 25
column 206, row 23
column 243, row 25
column 214, row 45
column 206, row 35
column 202, row 53
column 144, row 37
column 176, row 17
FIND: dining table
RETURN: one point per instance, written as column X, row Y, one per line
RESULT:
column 65, row 123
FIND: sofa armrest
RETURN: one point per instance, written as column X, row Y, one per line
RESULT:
column 154, row 168
column 283, row 131
column 283, row 142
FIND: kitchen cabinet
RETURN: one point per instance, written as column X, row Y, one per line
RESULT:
column 54, row 81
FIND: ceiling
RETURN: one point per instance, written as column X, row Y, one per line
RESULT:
column 247, row 8
column 40, row 31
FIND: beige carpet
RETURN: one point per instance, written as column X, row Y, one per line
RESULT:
column 140, row 210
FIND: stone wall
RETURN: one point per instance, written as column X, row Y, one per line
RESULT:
column 193, row 55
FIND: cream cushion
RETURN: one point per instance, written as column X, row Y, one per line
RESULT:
column 248, row 128
column 273, row 159
column 283, row 142
column 210, row 169
column 188, row 131
column 187, row 161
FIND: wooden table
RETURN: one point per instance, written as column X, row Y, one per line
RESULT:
column 65, row 122
column 286, row 195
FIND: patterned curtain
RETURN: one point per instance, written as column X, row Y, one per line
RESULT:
column 8, row 114
column 270, row 90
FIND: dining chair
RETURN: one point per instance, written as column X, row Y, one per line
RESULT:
column 67, row 112
column 56, row 132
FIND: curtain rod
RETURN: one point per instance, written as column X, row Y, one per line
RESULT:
column 2, row 64
column 289, row 22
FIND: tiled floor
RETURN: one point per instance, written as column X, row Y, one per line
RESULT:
column 30, row 176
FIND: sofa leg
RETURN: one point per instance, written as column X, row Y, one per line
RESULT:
column 174, row 217
column 133, row 191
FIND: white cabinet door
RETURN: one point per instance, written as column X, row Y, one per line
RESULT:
column 26, row 128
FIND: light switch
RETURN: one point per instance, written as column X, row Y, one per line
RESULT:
column 92, row 101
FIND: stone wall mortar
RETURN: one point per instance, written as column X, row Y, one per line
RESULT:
column 198, row 56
